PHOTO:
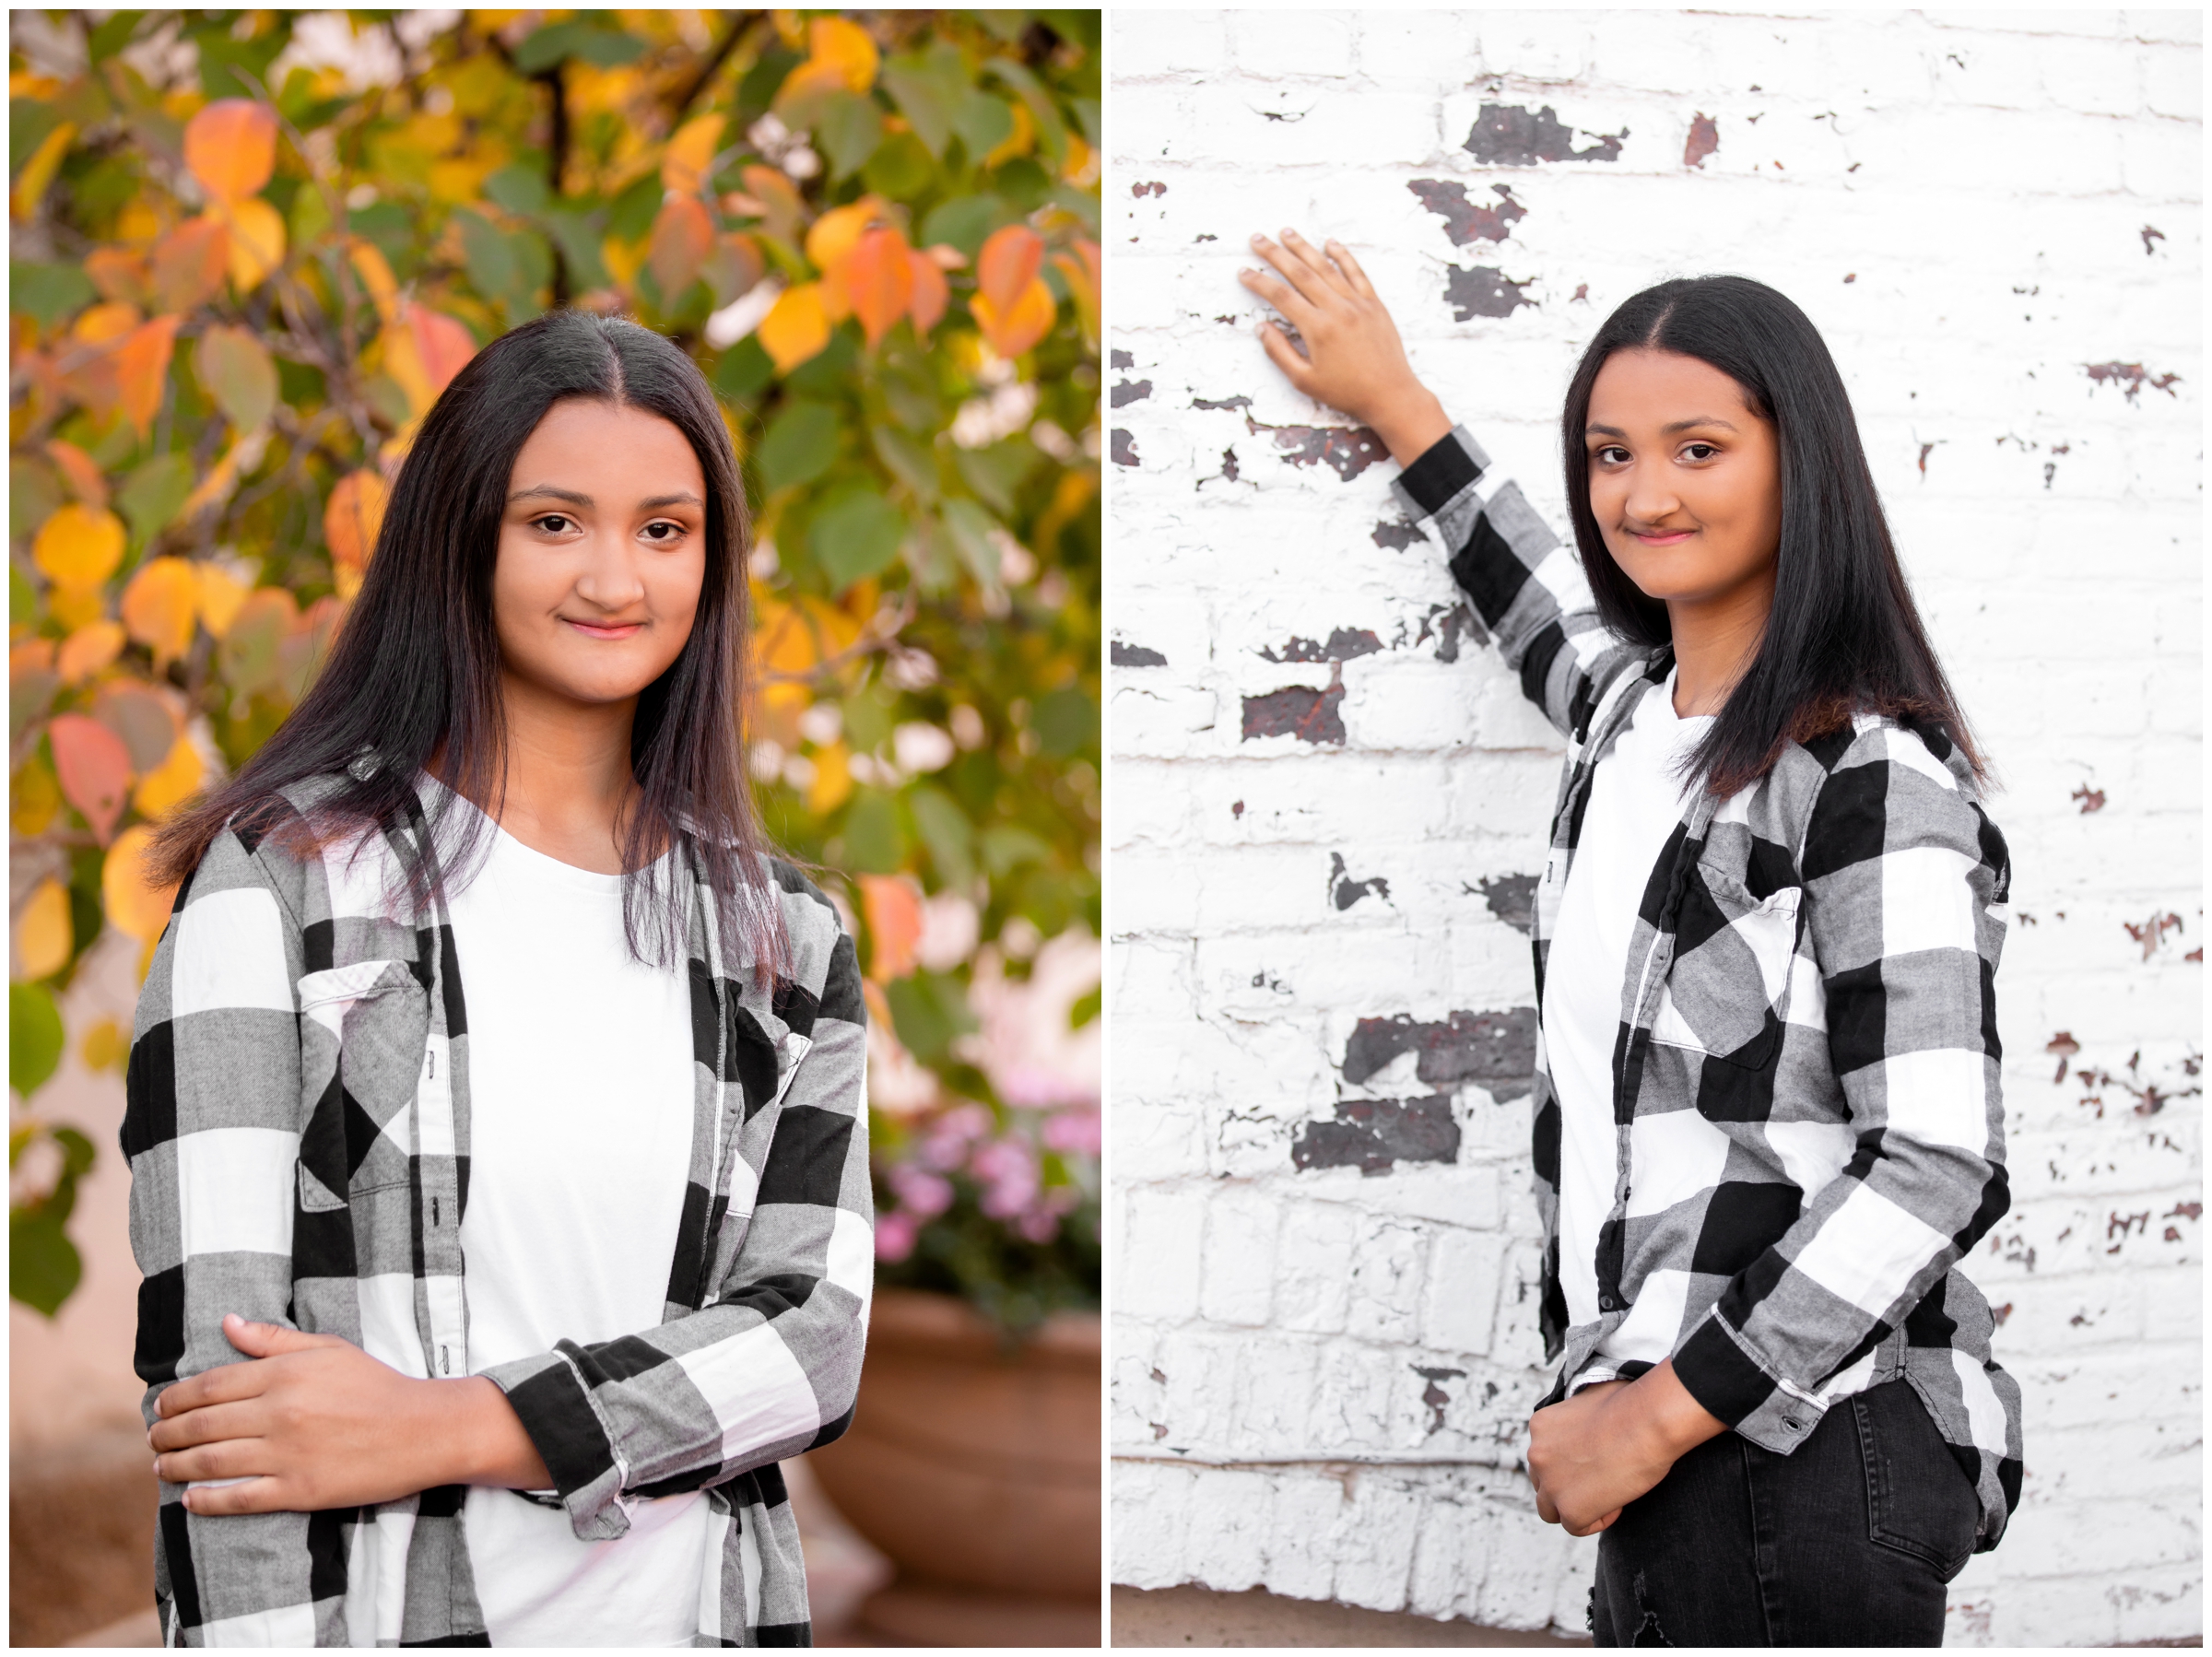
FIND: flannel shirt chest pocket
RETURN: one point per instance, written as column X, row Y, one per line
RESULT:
column 366, row 1052
column 1727, row 990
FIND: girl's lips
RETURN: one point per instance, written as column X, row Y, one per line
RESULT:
column 593, row 630
column 1669, row 539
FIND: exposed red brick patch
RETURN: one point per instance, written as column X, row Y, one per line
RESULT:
column 1704, row 138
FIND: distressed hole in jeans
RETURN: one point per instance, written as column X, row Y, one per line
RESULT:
column 1648, row 1631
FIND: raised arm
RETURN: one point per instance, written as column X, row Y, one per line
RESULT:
column 1528, row 587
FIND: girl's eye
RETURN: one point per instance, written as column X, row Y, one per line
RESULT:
column 664, row 532
column 1701, row 450
column 1607, row 456
column 553, row 524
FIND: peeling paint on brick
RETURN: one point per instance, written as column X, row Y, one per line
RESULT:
column 1466, row 221
column 1141, row 190
column 1348, row 449
column 1224, row 402
column 1345, row 891
column 1130, row 391
column 1372, row 1135
column 1497, row 1050
column 2149, row 234
column 1344, row 645
column 1512, row 898
column 1315, row 716
column 1124, row 449
column 2132, row 377
column 1483, row 291
column 1449, row 624
column 1136, row 655
column 1122, row 359
column 1704, row 138
column 1508, row 136
column 2152, row 932
column 1433, row 1394
column 1397, row 534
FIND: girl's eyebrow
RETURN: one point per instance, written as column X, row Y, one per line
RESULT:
column 682, row 497
column 1667, row 430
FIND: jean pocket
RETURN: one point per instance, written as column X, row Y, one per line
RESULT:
column 1919, row 1501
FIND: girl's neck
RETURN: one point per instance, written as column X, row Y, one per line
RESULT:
column 1715, row 641
column 568, row 784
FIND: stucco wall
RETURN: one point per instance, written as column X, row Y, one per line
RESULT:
column 1328, row 799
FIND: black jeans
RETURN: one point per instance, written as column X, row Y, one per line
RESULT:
column 1849, row 1540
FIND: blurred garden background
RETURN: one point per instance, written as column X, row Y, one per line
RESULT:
column 247, row 250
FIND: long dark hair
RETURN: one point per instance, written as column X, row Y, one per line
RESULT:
column 1843, row 636
column 414, row 673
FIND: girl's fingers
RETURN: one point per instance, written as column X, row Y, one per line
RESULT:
column 210, row 1425
column 1283, row 354
column 1302, row 280
column 1350, row 268
column 1312, row 259
column 231, row 1458
column 248, row 1496
column 1281, row 295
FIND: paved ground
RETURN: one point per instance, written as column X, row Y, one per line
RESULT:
column 1199, row 1616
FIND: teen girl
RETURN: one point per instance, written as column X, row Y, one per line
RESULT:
column 496, row 1124
column 1767, row 1111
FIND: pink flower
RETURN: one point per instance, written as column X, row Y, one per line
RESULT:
column 1008, row 1172
column 1039, row 1225
column 1078, row 1133
column 924, row 1195
column 895, row 1234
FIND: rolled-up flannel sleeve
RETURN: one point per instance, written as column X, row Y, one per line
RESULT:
column 1905, row 882
column 770, row 1367
column 1528, row 586
column 211, row 1130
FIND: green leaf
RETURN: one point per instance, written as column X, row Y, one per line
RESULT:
column 391, row 226
column 34, row 1038
column 907, row 459
column 518, row 189
column 850, row 127
column 1008, row 846
column 152, row 494
column 745, row 372
column 29, row 122
column 47, row 292
column 22, row 598
column 972, row 530
column 874, row 844
column 577, row 38
column 855, row 533
column 236, row 368
column 493, row 270
column 982, row 124
column 34, row 494
column 112, row 36
column 995, row 473
column 604, row 49
column 577, row 236
column 946, row 831
column 1051, row 132
column 44, row 1266
column 927, row 87
column 635, row 210
column 1086, row 1007
column 1064, row 720
column 801, row 444
column 220, row 54
column 900, row 168
column 929, row 1009
column 964, row 221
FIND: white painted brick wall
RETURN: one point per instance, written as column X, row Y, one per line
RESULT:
column 1321, row 1376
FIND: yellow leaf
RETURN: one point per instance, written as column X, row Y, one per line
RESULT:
column 836, row 232
column 351, row 519
column 375, row 271
column 137, row 223
column 689, row 153
column 1018, row 141
column 795, row 329
column 175, row 780
column 89, row 650
column 1025, row 322
column 220, row 595
column 38, row 172
column 105, row 1046
column 74, row 607
column 845, row 46
column 231, row 146
column 43, row 935
column 77, row 548
column 256, row 242
column 624, row 260
column 103, row 322
column 459, row 181
column 242, row 456
column 832, row 783
column 134, row 905
column 33, row 797
column 159, row 606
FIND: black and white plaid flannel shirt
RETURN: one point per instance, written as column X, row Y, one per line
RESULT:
column 298, row 1130
column 1810, row 973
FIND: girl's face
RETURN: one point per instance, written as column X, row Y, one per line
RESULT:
column 602, row 553
column 1685, row 477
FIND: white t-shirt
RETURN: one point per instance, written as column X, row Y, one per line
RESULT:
column 1636, row 799
column 581, row 1092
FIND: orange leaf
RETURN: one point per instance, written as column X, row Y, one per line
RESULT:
column 190, row 263
column 879, row 280
column 120, row 272
column 94, row 767
column 220, row 596
column 82, row 473
column 87, row 650
column 159, row 606
column 370, row 263
column 683, row 235
column 231, row 146
column 350, row 522
column 796, row 328
column 142, row 368
column 894, row 913
column 1029, row 321
column 171, row 783
column 930, row 293
column 134, row 903
column 442, row 345
column 778, row 196
column 78, row 547
column 689, row 153
column 845, row 46
column 838, row 231
column 1008, row 264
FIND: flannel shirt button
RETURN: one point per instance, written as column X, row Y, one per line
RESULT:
column 1793, row 1426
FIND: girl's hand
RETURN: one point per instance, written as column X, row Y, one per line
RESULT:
column 1354, row 360
column 1596, row 1453
column 315, row 1422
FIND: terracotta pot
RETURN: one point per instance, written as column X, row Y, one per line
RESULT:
column 970, row 1465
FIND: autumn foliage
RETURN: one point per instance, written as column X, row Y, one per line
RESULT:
column 250, row 249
